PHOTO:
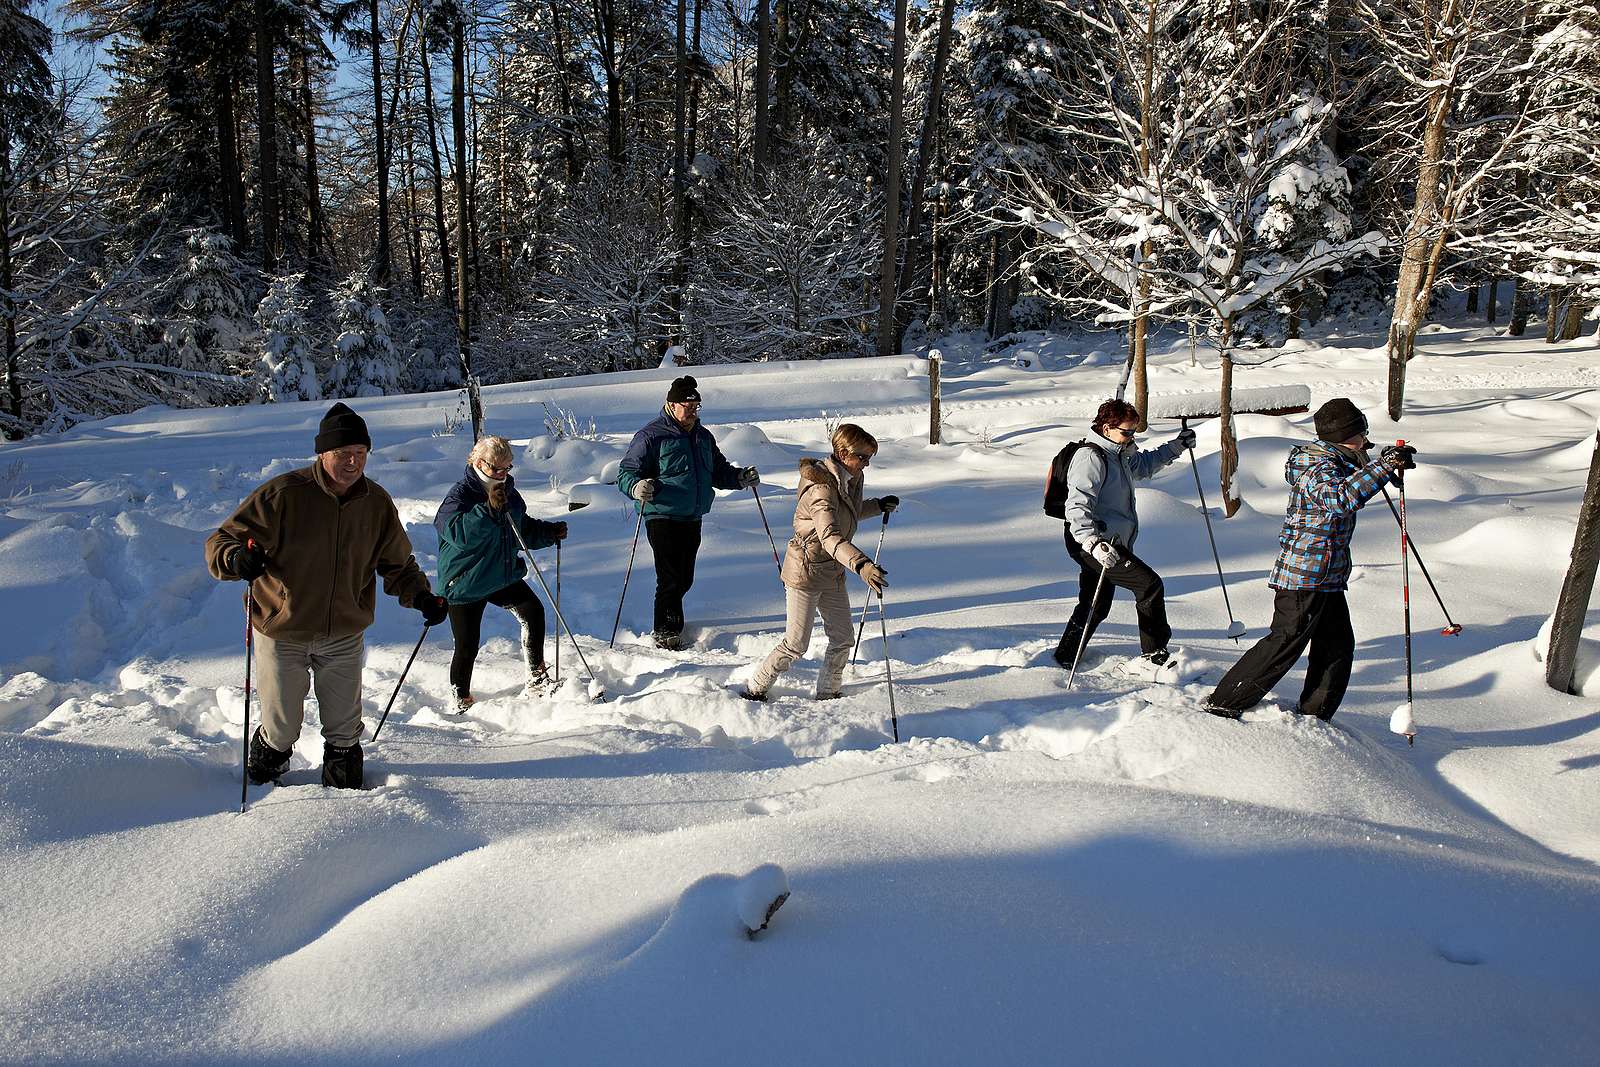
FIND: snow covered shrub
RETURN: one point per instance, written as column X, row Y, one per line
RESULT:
column 286, row 370
column 788, row 272
column 364, row 361
column 563, row 425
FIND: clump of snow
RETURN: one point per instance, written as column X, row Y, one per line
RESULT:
column 755, row 894
column 1401, row 722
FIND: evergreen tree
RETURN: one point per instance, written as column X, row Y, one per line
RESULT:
column 364, row 360
column 286, row 370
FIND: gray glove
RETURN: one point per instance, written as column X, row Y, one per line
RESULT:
column 1106, row 554
column 1185, row 439
column 875, row 576
column 644, row 490
column 748, row 476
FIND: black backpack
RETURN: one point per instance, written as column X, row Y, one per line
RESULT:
column 1055, row 486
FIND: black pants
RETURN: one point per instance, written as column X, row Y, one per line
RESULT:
column 1134, row 575
column 675, row 543
column 1299, row 616
column 466, row 621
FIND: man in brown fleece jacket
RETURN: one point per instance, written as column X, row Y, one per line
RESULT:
column 310, row 542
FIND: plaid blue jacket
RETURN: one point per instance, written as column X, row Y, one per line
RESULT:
column 1327, row 488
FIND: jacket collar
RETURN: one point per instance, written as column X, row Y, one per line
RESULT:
column 320, row 476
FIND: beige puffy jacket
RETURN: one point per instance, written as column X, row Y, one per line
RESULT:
column 825, row 516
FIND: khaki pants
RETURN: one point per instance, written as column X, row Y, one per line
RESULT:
column 803, row 605
column 288, row 669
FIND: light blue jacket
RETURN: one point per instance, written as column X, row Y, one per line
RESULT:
column 1100, row 488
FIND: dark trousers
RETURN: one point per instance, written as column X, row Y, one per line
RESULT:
column 1299, row 616
column 466, row 621
column 1134, row 575
column 675, row 543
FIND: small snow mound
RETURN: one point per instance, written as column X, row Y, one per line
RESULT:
column 1401, row 721
column 1586, row 666
column 756, row 895
column 1540, row 542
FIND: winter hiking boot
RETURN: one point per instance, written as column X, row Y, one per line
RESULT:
column 752, row 693
column 540, row 684
column 464, row 702
column 1220, row 711
column 266, row 764
column 669, row 642
column 341, row 766
column 831, row 692
column 1158, row 666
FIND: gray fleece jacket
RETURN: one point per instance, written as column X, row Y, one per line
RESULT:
column 1100, row 488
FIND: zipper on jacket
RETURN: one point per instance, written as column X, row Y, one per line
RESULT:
column 338, row 518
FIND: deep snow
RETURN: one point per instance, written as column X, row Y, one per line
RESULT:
column 1032, row 874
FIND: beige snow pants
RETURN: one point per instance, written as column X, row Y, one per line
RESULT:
column 288, row 669
column 803, row 605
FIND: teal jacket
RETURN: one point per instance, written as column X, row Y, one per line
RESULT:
column 478, row 555
column 687, row 466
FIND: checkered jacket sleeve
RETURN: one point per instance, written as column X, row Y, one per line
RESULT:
column 1327, row 489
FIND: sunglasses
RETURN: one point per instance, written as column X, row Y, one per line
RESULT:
column 1125, row 431
column 500, row 470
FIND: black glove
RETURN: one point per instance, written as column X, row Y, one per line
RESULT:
column 560, row 530
column 1399, row 457
column 435, row 609
column 248, row 562
column 888, row 503
column 1185, row 439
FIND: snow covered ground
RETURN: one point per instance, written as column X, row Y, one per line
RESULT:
column 1032, row 874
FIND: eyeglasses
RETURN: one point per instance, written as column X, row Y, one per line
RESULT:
column 500, row 470
column 692, row 405
column 864, row 457
column 1126, row 431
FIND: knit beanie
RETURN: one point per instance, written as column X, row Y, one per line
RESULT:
column 341, row 427
column 1339, row 420
column 683, row 391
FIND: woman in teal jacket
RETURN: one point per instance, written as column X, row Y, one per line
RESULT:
column 480, row 563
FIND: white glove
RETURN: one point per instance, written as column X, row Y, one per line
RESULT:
column 1106, row 554
column 644, row 490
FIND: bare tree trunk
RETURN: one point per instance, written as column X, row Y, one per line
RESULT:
column 380, row 271
column 458, row 111
column 8, row 306
column 1491, row 313
column 1574, row 324
column 1551, row 315
column 1472, row 296
column 911, row 274
column 763, row 122
column 1230, row 440
column 783, row 81
column 440, row 232
column 1421, row 246
column 887, row 334
column 680, row 178
column 413, row 218
column 564, row 90
column 1521, row 308
column 308, row 119
column 228, row 162
column 1573, row 604
column 267, row 133
column 605, row 27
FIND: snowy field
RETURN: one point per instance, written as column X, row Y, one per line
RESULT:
column 1031, row 875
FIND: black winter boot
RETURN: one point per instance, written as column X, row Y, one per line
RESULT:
column 266, row 764
column 341, row 766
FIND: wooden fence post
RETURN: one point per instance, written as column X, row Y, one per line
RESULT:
column 934, row 359
column 1561, row 659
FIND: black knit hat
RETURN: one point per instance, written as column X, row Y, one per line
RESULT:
column 1339, row 420
column 683, row 391
column 340, row 427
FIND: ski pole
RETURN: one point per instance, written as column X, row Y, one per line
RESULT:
column 537, row 573
column 770, row 540
column 1405, row 583
column 249, row 655
column 403, row 672
column 1235, row 627
column 625, row 578
column 888, row 671
column 557, row 675
column 1088, row 622
column 866, row 604
column 1454, row 627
